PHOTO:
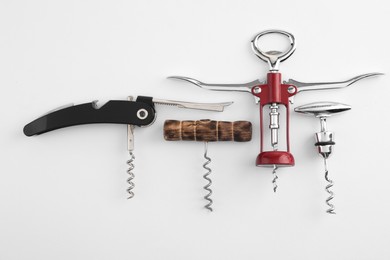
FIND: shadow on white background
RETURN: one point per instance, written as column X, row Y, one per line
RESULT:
column 63, row 194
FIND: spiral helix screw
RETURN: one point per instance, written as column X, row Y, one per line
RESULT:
column 207, row 178
column 331, row 209
column 275, row 177
column 131, row 175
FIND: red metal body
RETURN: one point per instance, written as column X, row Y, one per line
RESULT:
column 274, row 92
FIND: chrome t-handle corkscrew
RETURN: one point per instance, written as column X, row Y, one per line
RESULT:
column 207, row 131
column 324, row 138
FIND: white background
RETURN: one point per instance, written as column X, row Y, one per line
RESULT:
column 63, row 194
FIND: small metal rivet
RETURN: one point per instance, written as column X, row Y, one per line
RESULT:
column 142, row 114
column 257, row 90
column 291, row 89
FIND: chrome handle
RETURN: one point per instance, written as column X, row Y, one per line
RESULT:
column 322, row 109
column 273, row 58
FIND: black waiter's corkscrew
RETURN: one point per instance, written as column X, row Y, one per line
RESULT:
column 131, row 112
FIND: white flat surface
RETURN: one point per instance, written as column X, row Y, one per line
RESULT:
column 62, row 194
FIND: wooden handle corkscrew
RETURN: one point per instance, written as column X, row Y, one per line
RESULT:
column 207, row 130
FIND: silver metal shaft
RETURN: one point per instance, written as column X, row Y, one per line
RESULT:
column 274, row 125
column 219, row 107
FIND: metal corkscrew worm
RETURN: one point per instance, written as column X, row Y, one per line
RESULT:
column 324, row 138
column 207, row 131
column 275, row 177
column 327, row 188
column 130, row 162
column 131, row 175
column 206, row 177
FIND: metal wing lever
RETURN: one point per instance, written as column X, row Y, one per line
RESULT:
column 301, row 86
column 245, row 87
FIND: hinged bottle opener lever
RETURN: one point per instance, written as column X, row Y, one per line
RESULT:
column 138, row 112
column 274, row 93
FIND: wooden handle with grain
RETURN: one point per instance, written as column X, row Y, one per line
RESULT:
column 207, row 130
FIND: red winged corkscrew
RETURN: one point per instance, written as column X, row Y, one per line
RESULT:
column 275, row 93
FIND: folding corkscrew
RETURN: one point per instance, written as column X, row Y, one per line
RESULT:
column 275, row 93
column 133, row 112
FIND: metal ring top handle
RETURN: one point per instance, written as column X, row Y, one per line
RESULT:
column 273, row 57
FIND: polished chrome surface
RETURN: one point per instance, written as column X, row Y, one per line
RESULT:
column 273, row 58
column 244, row 87
column 130, row 132
column 219, row 107
column 325, row 150
column 326, row 138
column 302, row 86
column 130, row 137
column 207, row 178
column 274, row 125
column 323, row 124
column 322, row 109
column 142, row 114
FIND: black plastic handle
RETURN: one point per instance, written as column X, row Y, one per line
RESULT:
column 139, row 113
